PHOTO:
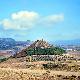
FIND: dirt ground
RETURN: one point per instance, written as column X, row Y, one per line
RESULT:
column 15, row 69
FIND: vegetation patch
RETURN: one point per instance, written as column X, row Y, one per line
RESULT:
column 45, row 51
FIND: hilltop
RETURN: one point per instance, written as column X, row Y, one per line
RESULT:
column 40, row 44
column 40, row 47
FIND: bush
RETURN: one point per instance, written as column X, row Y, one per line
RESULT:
column 45, row 51
column 3, row 59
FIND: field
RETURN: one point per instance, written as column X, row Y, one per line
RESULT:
column 20, row 69
column 26, row 74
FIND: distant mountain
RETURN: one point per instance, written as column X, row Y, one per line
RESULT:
column 7, row 43
column 23, row 43
column 75, row 42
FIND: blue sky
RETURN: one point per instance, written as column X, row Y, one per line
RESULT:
column 37, row 19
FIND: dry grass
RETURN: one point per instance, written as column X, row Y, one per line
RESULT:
column 15, row 69
column 26, row 74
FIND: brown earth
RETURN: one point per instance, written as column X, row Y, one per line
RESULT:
column 16, row 69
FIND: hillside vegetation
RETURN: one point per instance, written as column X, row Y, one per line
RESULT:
column 45, row 51
column 40, row 47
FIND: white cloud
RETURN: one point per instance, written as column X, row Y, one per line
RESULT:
column 25, row 15
column 53, row 19
column 25, row 20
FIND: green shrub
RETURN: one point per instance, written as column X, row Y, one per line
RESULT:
column 45, row 51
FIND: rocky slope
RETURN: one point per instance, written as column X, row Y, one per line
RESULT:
column 37, row 44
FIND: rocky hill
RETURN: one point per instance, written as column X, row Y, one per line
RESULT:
column 37, row 44
column 40, row 44
column 40, row 47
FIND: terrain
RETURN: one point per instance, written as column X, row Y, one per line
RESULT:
column 9, row 43
column 20, row 69
column 41, row 61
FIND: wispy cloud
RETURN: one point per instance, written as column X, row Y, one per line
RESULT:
column 24, row 20
column 52, row 19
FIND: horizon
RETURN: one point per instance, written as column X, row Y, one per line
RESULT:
column 32, row 20
column 43, row 40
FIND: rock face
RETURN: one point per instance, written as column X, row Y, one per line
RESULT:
column 37, row 44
